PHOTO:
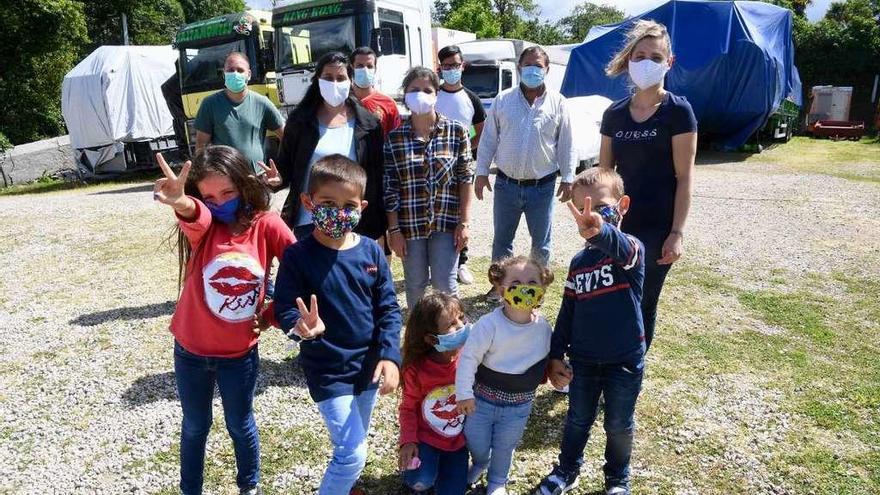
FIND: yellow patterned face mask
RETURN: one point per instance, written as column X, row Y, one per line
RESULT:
column 524, row 297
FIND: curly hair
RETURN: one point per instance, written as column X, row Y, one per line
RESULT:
column 498, row 269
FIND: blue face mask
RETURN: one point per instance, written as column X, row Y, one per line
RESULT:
column 235, row 81
column 532, row 76
column 227, row 212
column 454, row 340
column 451, row 76
column 363, row 77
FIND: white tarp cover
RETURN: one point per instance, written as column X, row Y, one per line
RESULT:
column 115, row 95
column 586, row 113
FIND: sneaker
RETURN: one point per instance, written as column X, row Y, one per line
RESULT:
column 464, row 275
column 251, row 491
column 493, row 296
column 617, row 490
column 476, row 489
column 557, row 483
column 498, row 491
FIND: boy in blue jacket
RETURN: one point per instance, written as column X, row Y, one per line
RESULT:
column 354, row 340
column 600, row 328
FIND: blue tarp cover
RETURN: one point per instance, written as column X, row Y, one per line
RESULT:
column 734, row 61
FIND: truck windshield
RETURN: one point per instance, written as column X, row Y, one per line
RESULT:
column 301, row 45
column 482, row 80
column 203, row 67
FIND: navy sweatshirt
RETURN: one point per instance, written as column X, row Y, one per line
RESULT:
column 357, row 303
column 600, row 320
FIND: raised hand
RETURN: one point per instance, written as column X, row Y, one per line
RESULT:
column 271, row 177
column 169, row 190
column 588, row 221
column 309, row 324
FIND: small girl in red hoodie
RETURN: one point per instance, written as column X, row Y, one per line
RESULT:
column 227, row 239
column 432, row 446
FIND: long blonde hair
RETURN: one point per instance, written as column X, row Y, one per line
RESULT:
column 641, row 29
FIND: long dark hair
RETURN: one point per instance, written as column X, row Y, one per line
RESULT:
column 313, row 98
column 254, row 196
column 423, row 321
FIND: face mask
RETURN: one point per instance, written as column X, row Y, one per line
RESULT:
column 610, row 214
column 454, row 340
column 532, row 76
column 420, row 102
column 334, row 93
column 525, row 297
column 647, row 73
column 235, row 81
column 363, row 77
column 335, row 221
column 225, row 212
column 451, row 76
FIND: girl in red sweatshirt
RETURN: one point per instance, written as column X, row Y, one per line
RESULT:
column 227, row 240
column 432, row 446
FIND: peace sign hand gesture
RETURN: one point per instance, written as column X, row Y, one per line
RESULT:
column 309, row 324
column 169, row 190
column 271, row 177
column 588, row 221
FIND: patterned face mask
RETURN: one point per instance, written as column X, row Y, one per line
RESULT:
column 335, row 221
column 525, row 297
column 610, row 214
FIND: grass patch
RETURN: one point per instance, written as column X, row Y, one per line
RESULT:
column 797, row 312
column 53, row 184
column 857, row 161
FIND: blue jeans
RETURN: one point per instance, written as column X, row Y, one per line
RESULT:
column 620, row 384
column 510, row 202
column 236, row 378
column 433, row 258
column 445, row 471
column 347, row 418
column 493, row 432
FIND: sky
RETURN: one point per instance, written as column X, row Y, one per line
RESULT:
column 552, row 10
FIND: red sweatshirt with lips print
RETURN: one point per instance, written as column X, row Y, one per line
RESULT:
column 225, row 282
column 427, row 411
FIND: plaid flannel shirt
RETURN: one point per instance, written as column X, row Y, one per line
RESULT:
column 422, row 179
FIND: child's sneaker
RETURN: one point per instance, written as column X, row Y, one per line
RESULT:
column 617, row 490
column 251, row 491
column 557, row 483
column 464, row 275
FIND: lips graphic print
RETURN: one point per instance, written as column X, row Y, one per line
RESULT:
column 438, row 409
column 232, row 283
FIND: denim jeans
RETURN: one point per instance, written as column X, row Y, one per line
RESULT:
column 655, row 276
column 236, row 378
column 433, row 258
column 620, row 384
column 347, row 418
column 445, row 471
column 493, row 432
column 510, row 202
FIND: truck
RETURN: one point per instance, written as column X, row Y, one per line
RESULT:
column 491, row 66
column 202, row 47
column 399, row 31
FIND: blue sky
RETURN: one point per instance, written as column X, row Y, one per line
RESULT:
column 555, row 9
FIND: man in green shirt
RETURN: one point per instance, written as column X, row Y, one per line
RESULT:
column 237, row 117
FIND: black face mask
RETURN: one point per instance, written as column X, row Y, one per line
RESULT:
column 610, row 214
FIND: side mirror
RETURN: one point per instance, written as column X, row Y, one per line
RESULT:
column 381, row 42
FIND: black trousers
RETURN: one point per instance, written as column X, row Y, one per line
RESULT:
column 655, row 277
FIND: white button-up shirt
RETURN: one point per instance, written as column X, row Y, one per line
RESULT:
column 527, row 141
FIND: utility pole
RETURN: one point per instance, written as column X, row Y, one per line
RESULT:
column 124, row 29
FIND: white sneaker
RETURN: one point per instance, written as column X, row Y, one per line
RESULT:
column 464, row 275
column 498, row 491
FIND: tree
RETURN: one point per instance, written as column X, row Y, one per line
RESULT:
column 540, row 32
column 45, row 39
column 475, row 16
column 197, row 10
column 150, row 22
column 511, row 13
column 577, row 24
column 440, row 12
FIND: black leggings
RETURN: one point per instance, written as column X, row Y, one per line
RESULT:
column 655, row 276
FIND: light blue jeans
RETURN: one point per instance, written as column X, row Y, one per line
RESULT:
column 510, row 202
column 492, row 433
column 348, row 419
column 434, row 259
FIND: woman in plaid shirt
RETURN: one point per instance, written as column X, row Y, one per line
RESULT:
column 428, row 187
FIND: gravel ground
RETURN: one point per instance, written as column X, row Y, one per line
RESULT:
column 87, row 398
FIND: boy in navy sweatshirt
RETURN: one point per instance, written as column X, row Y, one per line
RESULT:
column 600, row 328
column 353, row 341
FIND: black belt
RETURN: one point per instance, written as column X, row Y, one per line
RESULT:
column 527, row 182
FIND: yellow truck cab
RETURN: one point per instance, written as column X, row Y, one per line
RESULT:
column 203, row 47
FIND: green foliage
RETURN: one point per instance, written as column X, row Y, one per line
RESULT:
column 511, row 13
column 577, row 24
column 44, row 40
column 540, row 32
column 440, row 12
column 150, row 22
column 475, row 16
column 196, row 10
column 5, row 144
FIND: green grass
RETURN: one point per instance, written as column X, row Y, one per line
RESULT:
column 857, row 161
column 53, row 184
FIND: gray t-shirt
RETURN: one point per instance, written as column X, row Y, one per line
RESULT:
column 242, row 125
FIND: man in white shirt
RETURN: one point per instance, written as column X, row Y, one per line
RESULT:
column 456, row 102
column 528, row 135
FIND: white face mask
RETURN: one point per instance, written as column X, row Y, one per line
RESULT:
column 420, row 102
column 646, row 73
column 334, row 93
